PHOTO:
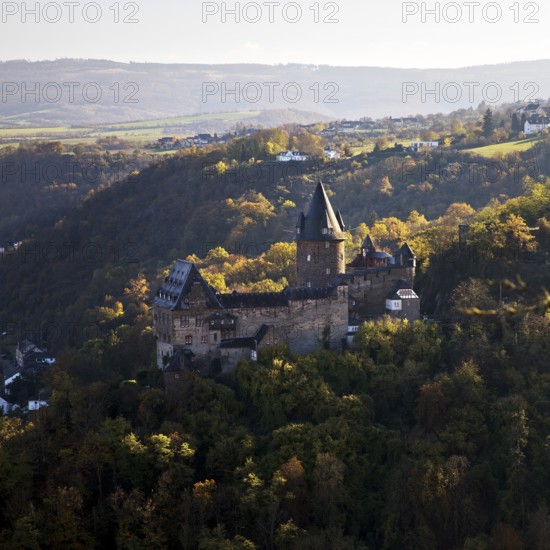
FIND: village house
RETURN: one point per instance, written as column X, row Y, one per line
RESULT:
column 348, row 125
column 416, row 146
column 532, row 110
column 536, row 124
column 407, row 122
column 294, row 156
column 331, row 154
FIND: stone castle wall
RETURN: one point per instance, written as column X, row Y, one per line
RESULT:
column 300, row 325
column 369, row 289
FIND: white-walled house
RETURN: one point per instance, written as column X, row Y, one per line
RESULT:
column 10, row 380
column 417, row 145
column 5, row 407
column 296, row 156
column 35, row 405
column 537, row 124
column 331, row 154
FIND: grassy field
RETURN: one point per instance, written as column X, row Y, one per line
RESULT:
column 506, row 148
column 138, row 132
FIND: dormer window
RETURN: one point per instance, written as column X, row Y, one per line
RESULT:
column 298, row 231
column 325, row 231
column 309, row 257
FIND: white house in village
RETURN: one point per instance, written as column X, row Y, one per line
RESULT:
column 532, row 109
column 5, row 407
column 536, row 124
column 296, row 156
column 417, row 145
column 36, row 405
column 331, row 154
column 9, row 381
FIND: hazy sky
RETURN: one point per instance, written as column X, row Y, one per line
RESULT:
column 364, row 32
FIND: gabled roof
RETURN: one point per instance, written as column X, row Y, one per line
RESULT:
column 179, row 282
column 405, row 251
column 403, row 294
column 368, row 244
column 247, row 342
column 181, row 360
column 402, row 291
column 319, row 217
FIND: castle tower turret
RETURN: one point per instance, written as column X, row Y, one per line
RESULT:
column 320, row 254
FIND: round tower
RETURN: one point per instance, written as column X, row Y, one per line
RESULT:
column 320, row 239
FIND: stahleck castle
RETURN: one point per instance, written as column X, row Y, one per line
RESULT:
column 199, row 328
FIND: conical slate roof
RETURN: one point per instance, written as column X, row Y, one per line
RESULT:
column 405, row 251
column 368, row 244
column 320, row 223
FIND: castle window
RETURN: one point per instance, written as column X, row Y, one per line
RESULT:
column 199, row 321
column 298, row 231
column 328, row 270
column 188, row 340
column 215, row 337
column 327, row 245
column 184, row 321
column 309, row 258
column 308, row 284
column 204, row 339
column 325, row 231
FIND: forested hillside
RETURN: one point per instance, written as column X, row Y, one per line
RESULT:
column 431, row 435
column 197, row 201
column 42, row 182
column 425, row 438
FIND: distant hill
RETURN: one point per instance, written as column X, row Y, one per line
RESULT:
column 89, row 91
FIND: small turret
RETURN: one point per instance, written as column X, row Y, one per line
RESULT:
column 405, row 257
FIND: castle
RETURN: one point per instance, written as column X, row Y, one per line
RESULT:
column 200, row 328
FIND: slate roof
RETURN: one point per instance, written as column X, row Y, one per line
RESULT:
column 182, row 359
column 250, row 342
column 539, row 120
column 179, row 283
column 403, row 294
column 368, row 244
column 405, row 251
column 273, row 299
column 319, row 217
column 402, row 291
